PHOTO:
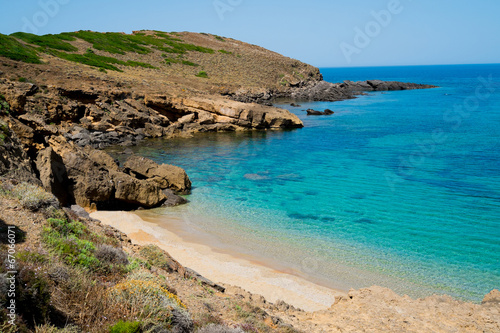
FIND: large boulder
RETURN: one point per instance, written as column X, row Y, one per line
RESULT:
column 94, row 178
column 139, row 192
column 165, row 175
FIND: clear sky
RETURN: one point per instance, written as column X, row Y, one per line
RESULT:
column 324, row 33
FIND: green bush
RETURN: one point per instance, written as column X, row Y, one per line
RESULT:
column 95, row 60
column 65, row 238
column 225, row 52
column 126, row 327
column 48, row 41
column 13, row 49
column 4, row 129
column 202, row 74
column 189, row 63
column 33, row 197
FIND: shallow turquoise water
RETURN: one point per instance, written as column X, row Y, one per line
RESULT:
column 400, row 189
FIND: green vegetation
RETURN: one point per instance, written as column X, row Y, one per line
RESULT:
column 225, row 52
column 4, row 130
column 4, row 107
column 103, row 62
column 76, row 245
column 13, row 49
column 189, row 63
column 126, row 327
column 170, row 61
column 22, row 79
column 179, row 60
column 65, row 238
column 155, row 256
column 110, row 42
column 219, row 38
column 202, row 74
column 48, row 41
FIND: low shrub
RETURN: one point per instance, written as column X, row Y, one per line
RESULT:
column 111, row 255
column 31, row 256
column 136, row 264
column 63, row 237
column 156, row 257
column 33, row 296
column 189, row 63
column 59, row 273
column 142, row 294
column 126, row 327
column 202, row 74
column 33, row 197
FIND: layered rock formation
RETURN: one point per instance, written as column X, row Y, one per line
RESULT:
column 91, row 178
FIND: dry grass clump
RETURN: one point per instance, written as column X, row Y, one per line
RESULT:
column 33, row 197
column 52, row 329
column 157, row 257
column 215, row 328
column 140, row 294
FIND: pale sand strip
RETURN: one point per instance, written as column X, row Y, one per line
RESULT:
column 223, row 267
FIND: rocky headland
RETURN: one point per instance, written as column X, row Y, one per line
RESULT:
column 64, row 97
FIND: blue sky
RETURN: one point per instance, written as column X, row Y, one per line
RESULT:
column 324, row 33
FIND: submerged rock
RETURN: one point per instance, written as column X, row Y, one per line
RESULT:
column 311, row 112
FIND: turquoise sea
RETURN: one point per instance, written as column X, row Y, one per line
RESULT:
column 399, row 189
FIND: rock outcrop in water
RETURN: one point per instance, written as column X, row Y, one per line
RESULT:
column 91, row 178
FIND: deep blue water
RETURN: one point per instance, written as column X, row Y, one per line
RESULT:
column 400, row 189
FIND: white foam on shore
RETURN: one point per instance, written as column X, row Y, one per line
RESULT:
column 222, row 267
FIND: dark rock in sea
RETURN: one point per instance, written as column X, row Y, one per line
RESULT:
column 311, row 112
column 295, row 105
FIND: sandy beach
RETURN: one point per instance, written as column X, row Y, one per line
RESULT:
column 223, row 267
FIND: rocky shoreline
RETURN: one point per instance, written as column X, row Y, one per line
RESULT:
column 57, row 114
column 329, row 92
column 61, row 131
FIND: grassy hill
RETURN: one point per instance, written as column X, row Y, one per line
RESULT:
column 156, row 60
